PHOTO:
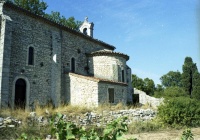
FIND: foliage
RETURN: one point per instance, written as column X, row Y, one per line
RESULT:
column 171, row 79
column 66, row 130
column 137, row 82
column 36, row 6
column 171, row 92
column 196, row 86
column 189, row 69
column 147, row 85
column 115, row 129
column 180, row 111
column 70, row 22
column 159, row 88
column 24, row 136
column 187, row 135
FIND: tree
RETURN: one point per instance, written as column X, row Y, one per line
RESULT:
column 196, row 85
column 70, row 22
column 171, row 92
column 159, row 88
column 149, row 86
column 171, row 79
column 137, row 82
column 189, row 69
column 35, row 6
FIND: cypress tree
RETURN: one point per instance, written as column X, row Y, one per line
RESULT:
column 189, row 69
column 196, row 85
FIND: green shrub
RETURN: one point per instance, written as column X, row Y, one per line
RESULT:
column 171, row 92
column 187, row 135
column 66, row 130
column 180, row 111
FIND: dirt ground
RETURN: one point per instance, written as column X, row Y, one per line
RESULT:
column 164, row 135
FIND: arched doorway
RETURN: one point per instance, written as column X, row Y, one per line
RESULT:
column 20, row 93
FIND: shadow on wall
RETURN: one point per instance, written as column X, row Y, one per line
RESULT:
column 90, row 66
column 143, row 98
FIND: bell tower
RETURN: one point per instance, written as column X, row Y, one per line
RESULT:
column 87, row 27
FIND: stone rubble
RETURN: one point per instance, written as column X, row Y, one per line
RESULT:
column 89, row 118
column 9, row 122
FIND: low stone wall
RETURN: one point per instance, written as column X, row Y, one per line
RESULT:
column 146, row 99
column 89, row 118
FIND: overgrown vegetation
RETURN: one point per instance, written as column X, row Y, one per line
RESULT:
column 66, row 130
column 168, row 117
column 180, row 111
column 187, row 135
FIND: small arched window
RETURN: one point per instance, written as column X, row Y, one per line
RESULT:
column 31, row 56
column 72, row 64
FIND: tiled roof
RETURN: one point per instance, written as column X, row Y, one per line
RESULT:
column 102, row 53
column 95, row 79
column 56, row 24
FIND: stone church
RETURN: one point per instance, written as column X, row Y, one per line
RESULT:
column 43, row 61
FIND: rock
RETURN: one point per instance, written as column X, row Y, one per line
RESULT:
column 3, row 126
column 10, row 125
column 48, row 137
column 1, row 120
column 47, row 112
column 7, row 121
column 40, row 119
column 32, row 114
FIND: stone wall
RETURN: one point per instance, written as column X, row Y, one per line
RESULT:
column 120, row 93
column 107, row 67
column 83, row 91
column 130, row 87
column 146, row 99
column 54, row 47
column 89, row 118
column 5, row 52
column 41, row 75
column 91, row 92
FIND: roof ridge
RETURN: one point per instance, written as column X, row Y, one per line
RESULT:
column 12, row 5
column 97, row 53
column 96, row 79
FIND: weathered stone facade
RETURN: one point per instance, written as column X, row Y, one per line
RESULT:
column 42, row 53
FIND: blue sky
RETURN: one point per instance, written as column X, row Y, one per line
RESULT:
column 156, row 34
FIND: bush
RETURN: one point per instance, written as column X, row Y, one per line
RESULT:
column 171, row 92
column 66, row 130
column 187, row 135
column 180, row 111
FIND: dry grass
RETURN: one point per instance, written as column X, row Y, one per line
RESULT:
column 19, row 113
column 72, row 109
column 110, row 107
